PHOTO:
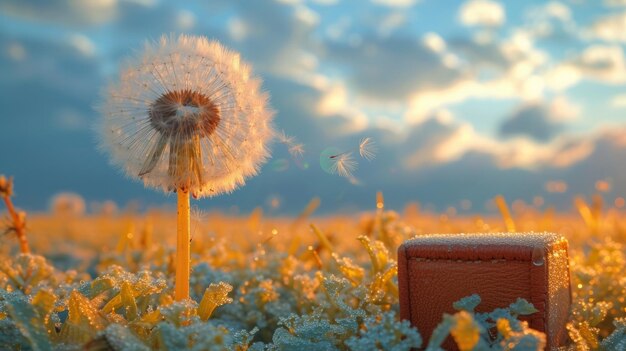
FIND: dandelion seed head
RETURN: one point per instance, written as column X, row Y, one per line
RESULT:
column 188, row 114
column 367, row 149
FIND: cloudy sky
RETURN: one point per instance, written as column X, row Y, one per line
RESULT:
column 465, row 100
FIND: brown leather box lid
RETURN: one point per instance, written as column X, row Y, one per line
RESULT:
column 436, row 270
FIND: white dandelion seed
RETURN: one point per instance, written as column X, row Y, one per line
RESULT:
column 187, row 114
column 283, row 138
column 343, row 164
column 296, row 150
column 367, row 149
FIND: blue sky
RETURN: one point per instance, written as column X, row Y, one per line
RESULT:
column 464, row 99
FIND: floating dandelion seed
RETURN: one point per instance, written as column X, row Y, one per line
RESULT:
column 296, row 150
column 188, row 115
column 367, row 149
column 284, row 138
column 343, row 164
column 198, row 215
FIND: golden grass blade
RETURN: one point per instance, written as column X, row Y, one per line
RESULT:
column 506, row 214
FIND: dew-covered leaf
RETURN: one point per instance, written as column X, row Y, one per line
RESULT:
column 214, row 296
column 28, row 321
column 522, row 307
column 468, row 303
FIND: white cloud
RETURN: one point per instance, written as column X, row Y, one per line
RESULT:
column 337, row 29
column 390, row 69
column 570, row 153
column 604, row 63
column 65, row 12
column 276, row 37
column 83, row 44
column 562, row 77
column 326, row 2
column 561, row 153
column 431, row 73
column 335, row 101
column 619, row 101
column 422, row 103
column 553, row 22
column 434, row 42
column 144, row 3
column 237, row 28
column 482, row 13
column 539, row 120
column 395, row 3
column 436, row 142
column 601, row 62
column 556, row 9
column 459, row 142
column 290, row 2
column 391, row 22
column 563, row 109
column 611, row 28
column 185, row 19
column 540, row 15
column 615, row 2
column 306, row 15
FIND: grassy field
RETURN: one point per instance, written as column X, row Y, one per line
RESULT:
column 105, row 282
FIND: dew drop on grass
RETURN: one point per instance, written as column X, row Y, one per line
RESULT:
column 538, row 256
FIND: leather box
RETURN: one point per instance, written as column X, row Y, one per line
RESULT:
column 436, row 270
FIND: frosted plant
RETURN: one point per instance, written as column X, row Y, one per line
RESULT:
column 474, row 331
column 17, row 221
column 385, row 332
column 187, row 116
column 67, row 204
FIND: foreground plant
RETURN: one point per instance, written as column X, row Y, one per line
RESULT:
column 187, row 117
column 17, row 221
column 330, row 295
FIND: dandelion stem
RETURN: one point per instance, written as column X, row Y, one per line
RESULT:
column 182, row 247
